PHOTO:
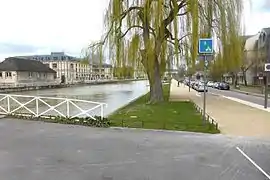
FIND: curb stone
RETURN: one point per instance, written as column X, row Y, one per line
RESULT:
column 163, row 130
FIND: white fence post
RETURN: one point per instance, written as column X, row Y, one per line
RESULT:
column 101, row 111
column 37, row 106
column 68, row 113
column 8, row 104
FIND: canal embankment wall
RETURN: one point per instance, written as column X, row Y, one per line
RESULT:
column 31, row 87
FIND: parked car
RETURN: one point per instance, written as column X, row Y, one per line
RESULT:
column 216, row 85
column 200, row 88
column 196, row 84
column 223, row 86
column 210, row 84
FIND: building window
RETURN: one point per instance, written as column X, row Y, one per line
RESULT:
column 55, row 58
column 1, row 74
column 8, row 74
column 54, row 65
column 71, row 66
column 30, row 74
column 45, row 75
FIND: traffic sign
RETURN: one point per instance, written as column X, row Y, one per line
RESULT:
column 206, row 46
column 267, row 67
column 260, row 75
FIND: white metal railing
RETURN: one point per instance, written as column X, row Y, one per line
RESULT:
column 38, row 106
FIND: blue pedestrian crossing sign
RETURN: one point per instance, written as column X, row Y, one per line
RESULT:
column 206, row 46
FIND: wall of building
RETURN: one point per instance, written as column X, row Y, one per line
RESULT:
column 101, row 72
column 8, row 77
column 71, row 67
column 72, row 71
column 16, row 78
column 35, row 77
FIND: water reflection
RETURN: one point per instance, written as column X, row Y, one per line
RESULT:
column 115, row 95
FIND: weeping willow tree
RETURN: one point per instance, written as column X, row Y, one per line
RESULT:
column 138, row 33
column 216, row 68
column 230, row 36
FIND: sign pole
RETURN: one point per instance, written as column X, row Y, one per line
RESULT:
column 266, row 91
column 204, row 89
column 205, row 49
column 266, row 70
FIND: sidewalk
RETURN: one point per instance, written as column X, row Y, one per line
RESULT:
column 233, row 118
column 180, row 93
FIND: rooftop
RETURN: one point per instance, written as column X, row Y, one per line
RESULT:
column 48, row 57
column 19, row 64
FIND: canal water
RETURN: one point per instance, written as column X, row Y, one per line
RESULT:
column 114, row 95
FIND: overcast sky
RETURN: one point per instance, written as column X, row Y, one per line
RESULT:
column 257, row 15
column 42, row 26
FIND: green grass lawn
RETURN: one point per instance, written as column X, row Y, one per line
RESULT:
column 180, row 116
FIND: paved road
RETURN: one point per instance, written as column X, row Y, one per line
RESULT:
column 42, row 151
column 249, row 98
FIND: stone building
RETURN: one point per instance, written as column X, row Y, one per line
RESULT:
column 24, row 72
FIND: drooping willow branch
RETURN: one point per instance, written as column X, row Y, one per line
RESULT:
column 136, row 26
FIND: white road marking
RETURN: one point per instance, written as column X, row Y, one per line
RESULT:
column 250, row 160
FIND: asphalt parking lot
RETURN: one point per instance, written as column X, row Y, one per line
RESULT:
column 43, row 151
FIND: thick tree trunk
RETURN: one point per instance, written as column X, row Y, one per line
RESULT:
column 245, row 78
column 154, row 78
column 235, row 80
column 244, row 75
column 156, row 95
column 149, row 79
